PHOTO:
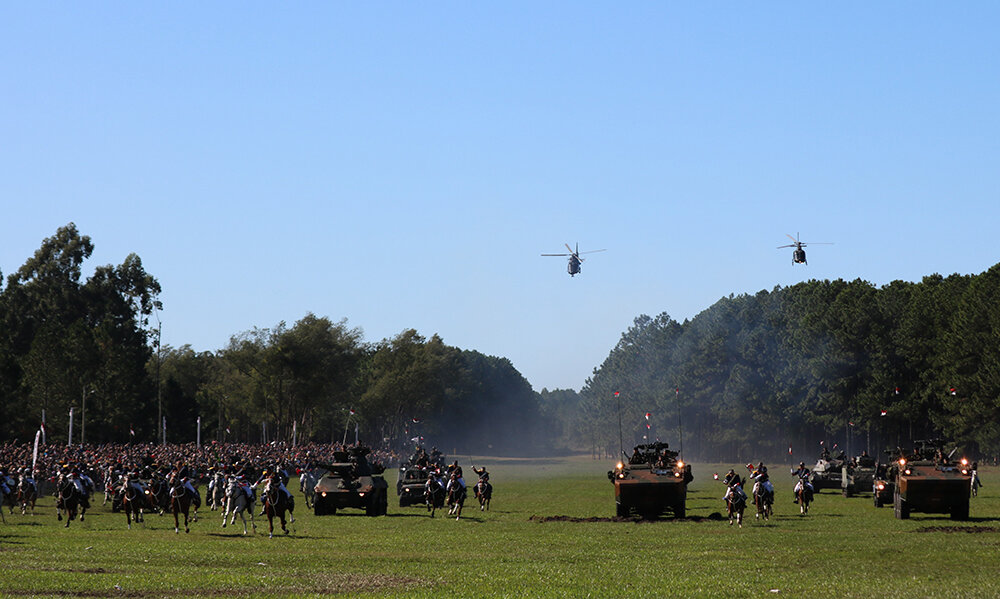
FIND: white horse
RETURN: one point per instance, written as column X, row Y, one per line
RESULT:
column 216, row 491
column 238, row 502
column 307, row 484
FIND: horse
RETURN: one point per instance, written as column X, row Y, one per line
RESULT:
column 135, row 499
column 434, row 494
column 276, row 503
column 238, row 502
column 27, row 494
column 456, row 498
column 484, row 492
column 7, row 494
column 216, row 495
column 181, row 499
column 307, row 485
column 803, row 496
column 975, row 483
column 763, row 499
column 736, row 502
column 159, row 494
column 69, row 497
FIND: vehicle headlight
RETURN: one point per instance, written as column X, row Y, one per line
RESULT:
column 677, row 474
column 619, row 465
column 361, row 494
column 907, row 471
column 881, row 486
column 680, row 464
column 323, row 494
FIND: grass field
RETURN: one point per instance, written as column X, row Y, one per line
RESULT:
column 843, row 548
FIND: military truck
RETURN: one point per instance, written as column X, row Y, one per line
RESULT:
column 858, row 475
column 927, row 481
column 351, row 482
column 653, row 481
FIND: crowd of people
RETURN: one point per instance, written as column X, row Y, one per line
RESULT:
column 197, row 463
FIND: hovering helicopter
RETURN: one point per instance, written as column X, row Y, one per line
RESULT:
column 799, row 254
column 573, row 268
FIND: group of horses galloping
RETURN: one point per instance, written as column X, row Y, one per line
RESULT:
column 437, row 494
column 762, row 496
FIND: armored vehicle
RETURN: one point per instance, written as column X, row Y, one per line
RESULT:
column 827, row 474
column 883, row 488
column 858, row 475
column 410, row 484
column 927, row 481
column 351, row 482
column 653, row 481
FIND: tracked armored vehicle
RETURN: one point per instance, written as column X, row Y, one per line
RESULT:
column 351, row 482
column 827, row 474
column 858, row 475
column 652, row 482
column 927, row 481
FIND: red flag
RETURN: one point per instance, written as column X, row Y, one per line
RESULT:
column 897, row 390
column 352, row 411
column 648, row 415
column 883, row 413
column 616, row 393
column 648, row 425
column 789, row 450
column 131, row 431
column 416, row 420
column 953, row 392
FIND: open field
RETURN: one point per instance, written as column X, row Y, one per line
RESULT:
column 843, row 548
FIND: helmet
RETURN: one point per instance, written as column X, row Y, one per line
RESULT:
column 802, row 463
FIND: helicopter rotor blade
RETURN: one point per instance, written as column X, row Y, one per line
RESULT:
column 792, row 238
column 556, row 254
column 594, row 251
column 571, row 252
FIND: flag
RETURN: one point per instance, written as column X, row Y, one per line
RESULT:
column 851, row 423
column 416, row 420
column 352, row 411
column 648, row 426
column 227, row 430
column 897, row 390
column 131, row 431
column 883, row 413
column 821, row 442
column 953, row 392
column 648, row 415
column 789, row 450
column 616, row 393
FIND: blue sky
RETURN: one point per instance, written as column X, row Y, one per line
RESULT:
column 404, row 166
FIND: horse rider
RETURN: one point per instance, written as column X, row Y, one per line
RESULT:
column 455, row 468
column 455, row 481
column 27, row 478
column 802, row 473
column 483, row 474
column 761, row 478
column 77, row 479
column 5, row 482
column 735, row 487
column 274, row 478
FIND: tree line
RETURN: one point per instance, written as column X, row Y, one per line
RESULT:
column 777, row 373
column 93, row 345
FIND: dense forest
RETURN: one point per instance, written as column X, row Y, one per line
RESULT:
column 846, row 364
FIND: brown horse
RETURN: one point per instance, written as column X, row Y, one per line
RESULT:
column 135, row 500
column 276, row 503
column 433, row 494
column 484, row 493
column 804, row 496
column 736, row 502
column 181, row 500
column 69, row 498
column 27, row 494
column 456, row 498
column 763, row 500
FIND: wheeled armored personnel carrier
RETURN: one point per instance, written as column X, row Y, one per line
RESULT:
column 927, row 481
column 858, row 475
column 351, row 482
column 653, row 481
column 410, row 484
column 883, row 488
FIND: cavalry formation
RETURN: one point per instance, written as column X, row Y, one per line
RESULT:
column 427, row 479
column 235, row 485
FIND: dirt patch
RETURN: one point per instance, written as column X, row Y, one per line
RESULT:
column 968, row 529
column 323, row 584
column 636, row 520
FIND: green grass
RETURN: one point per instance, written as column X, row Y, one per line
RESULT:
column 843, row 548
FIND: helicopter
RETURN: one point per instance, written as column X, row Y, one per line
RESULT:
column 799, row 254
column 573, row 268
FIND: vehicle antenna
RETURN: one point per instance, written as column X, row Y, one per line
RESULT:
column 621, row 443
column 680, row 429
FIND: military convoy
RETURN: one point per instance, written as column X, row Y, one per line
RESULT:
column 653, row 481
column 828, row 472
column 351, row 482
column 927, row 481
